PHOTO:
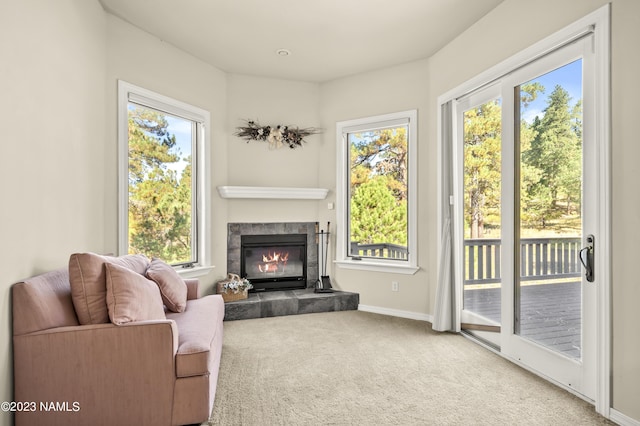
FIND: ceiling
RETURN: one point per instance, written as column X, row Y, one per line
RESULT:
column 328, row 39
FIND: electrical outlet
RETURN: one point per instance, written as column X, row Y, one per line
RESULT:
column 394, row 286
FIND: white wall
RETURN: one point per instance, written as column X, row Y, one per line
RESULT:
column 272, row 102
column 626, row 206
column 52, row 115
column 389, row 90
column 141, row 59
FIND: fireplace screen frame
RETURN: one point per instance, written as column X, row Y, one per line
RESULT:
column 252, row 242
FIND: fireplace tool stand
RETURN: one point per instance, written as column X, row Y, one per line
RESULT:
column 323, row 285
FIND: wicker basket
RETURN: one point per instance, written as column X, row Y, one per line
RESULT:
column 231, row 295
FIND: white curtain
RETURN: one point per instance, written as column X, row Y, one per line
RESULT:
column 445, row 315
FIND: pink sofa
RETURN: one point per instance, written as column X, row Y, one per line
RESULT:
column 152, row 372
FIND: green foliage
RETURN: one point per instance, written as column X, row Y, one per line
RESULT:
column 482, row 141
column 555, row 153
column 377, row 216
column 381, row 152
column 159, row 198
column 550, row 162
column 149, row 143
column 378, row 185
column 529, row 93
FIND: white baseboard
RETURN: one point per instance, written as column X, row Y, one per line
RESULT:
column 396, row 313
column 621, row 419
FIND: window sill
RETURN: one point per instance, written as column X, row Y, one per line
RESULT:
column 195, row 272
column 365, row 265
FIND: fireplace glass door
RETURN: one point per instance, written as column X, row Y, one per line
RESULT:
column 273, row 262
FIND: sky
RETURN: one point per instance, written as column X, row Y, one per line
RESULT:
column 181, row 128
column 568, row 76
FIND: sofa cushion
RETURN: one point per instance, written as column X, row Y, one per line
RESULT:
column 130, row 296
column 88, row 285
column 172, row 288
column 43, row 302
column 197, row 331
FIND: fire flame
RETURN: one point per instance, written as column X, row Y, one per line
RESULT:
column 271, row 261
column 270, row 258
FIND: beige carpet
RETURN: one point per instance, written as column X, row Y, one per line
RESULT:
column 357, row 368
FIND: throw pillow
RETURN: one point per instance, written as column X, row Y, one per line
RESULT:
column 172, row 288
column 130, row 296
column 88, row 286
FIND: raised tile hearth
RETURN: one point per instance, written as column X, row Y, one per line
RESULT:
column 263, row 304
column 289, row 302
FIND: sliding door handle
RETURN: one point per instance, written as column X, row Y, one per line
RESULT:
column 587, row 258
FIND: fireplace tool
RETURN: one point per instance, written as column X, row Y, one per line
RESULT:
column 323, row 285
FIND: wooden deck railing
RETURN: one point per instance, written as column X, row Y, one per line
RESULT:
column 540, row 258
column 382, row 250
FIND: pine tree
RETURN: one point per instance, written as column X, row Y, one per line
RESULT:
column 376, row 215
column 555, row 152
column 159, row 197
column 482, row 144
column 378, row 179
column 381, row 152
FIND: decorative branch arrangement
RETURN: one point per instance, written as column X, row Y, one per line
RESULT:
column 277, row 136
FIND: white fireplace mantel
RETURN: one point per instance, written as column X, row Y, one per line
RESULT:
column 272, row 192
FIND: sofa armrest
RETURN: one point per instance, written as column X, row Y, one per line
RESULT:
column 192, row 288
column 111, row 374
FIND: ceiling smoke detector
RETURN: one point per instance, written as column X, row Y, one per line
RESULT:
column 283, row 52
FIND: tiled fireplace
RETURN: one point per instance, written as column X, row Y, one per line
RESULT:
column 296, row 295
column 274, row 256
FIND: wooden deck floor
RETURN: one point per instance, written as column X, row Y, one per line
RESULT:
column 550, row 313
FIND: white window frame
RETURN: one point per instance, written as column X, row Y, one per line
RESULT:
column 128, row 92
column 343, row 260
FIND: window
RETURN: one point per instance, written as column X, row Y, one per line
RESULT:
column 376, row 193
column 162, row 167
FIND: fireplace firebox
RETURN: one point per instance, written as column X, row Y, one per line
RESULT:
column 274, row 262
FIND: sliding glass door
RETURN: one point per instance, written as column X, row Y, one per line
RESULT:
column 553, row 181
column 549, row 226
column 526, row 179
